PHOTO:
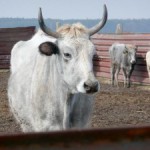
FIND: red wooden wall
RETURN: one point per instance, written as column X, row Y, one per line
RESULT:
column 8, row 37
column 102, row 60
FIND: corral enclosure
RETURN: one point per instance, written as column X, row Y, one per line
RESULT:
column 102, row 61
column 113, row 107
column 9, row 36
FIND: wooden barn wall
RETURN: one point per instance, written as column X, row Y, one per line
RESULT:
column 102, row 59
column 8, row 37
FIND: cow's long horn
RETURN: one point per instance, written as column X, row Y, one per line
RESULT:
column 100, row 25
column 44, row 27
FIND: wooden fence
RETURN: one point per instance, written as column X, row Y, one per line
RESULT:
column 102, row 59
column 8, row 37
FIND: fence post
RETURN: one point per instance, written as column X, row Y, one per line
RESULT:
column 119, row 29
column 57, row 25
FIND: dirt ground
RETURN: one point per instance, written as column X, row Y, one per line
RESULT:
column 114, row 107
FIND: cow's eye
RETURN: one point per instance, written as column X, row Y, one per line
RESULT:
column 67, row 55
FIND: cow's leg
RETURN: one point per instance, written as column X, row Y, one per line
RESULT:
column 148, row 70
column 125, row 76
column 129, row 73
column 112, row 71
column 128, row 78
column 116, row 75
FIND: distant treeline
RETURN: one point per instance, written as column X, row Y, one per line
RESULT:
column 129, row 25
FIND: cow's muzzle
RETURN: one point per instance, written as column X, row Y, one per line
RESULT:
column 133, row 62
column 91, row 87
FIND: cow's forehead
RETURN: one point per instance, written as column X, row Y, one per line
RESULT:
column 78, row 44
column 132, row 50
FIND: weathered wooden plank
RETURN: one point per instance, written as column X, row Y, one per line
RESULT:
column 104, row 60
column 122, row 36
column 5, row 43
column 140, row 49
column 135, row 72
column 122, row 41
column 136, row 79
column 4, row 57
column 18, row 33
column 16, row 38
column 137, row 68
column 3, row 62
column 101, row 63
column 109, row 43
column 6, row 47
column 17, row 29
column 5, row 52
column 131, row 138
column 4, row 66
column 106, row 54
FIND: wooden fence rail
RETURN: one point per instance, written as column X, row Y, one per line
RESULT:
column 131, row 138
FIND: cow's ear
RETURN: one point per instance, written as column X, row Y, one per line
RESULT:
column 48, row 48
column 136, row 48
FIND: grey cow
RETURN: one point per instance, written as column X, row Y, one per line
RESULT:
column 52, row 84
column 123, row 56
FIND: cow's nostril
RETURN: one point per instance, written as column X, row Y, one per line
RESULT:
column 87, row 87
column 95, row 85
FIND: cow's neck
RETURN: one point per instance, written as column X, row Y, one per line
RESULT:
column 49, row 78
column 125, row 59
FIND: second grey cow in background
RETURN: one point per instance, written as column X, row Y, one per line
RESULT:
column 123, row 56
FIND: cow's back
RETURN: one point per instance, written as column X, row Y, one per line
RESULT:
column 24, row 52
column 17, row 56
column 116, row 52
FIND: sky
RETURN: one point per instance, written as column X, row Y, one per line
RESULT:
column 75, row 9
